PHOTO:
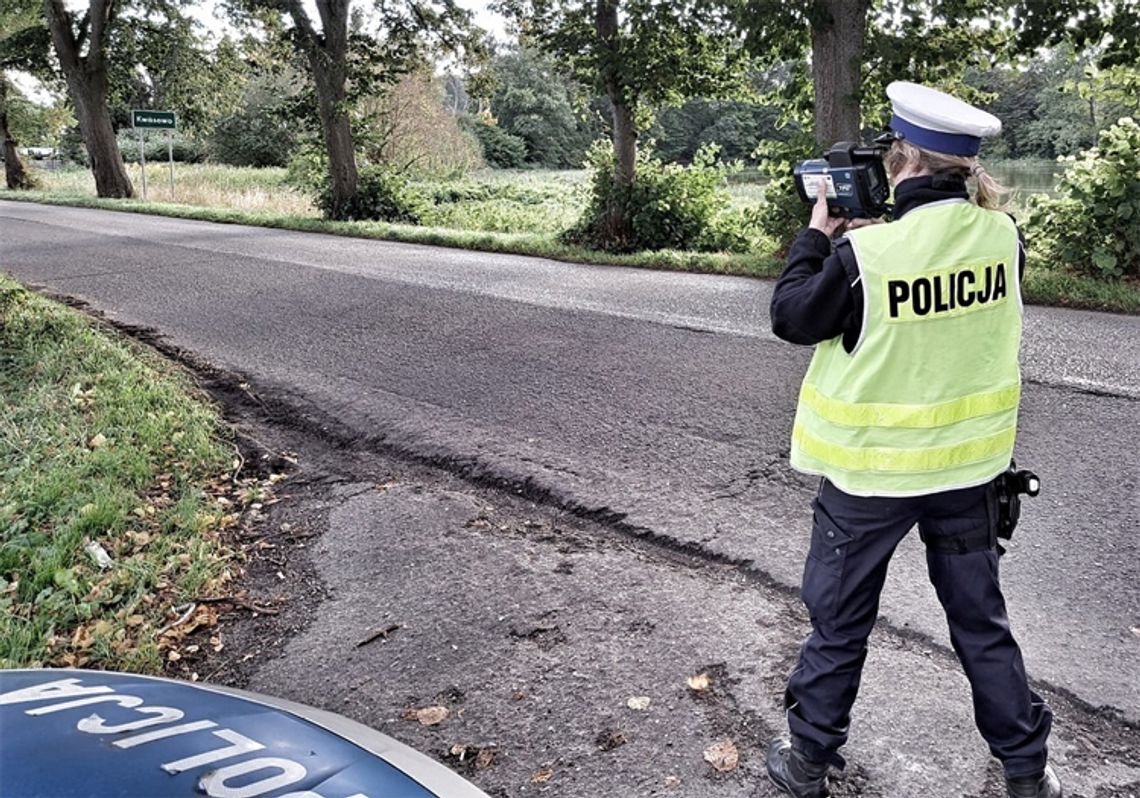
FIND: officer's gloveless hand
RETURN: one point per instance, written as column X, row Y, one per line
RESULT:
column 821, row 220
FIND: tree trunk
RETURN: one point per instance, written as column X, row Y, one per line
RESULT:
column 625, row 144
column 337, row 133
column 90, row 101
column 837, row 39
column 328, row 57
column 14, row 172
column 625, row 130
column 88, row 88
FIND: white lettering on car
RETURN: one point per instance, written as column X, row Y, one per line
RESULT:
column 214, row 782
column 127, row 701
column 160, row 734
column 93, row 724
column 64, row 688
column 239, row 744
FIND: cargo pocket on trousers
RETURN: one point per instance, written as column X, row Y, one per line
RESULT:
column 823, row 570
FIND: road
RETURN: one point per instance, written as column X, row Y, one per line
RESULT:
column 656, row 404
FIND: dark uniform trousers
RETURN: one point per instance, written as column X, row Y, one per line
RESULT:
column 852, row 541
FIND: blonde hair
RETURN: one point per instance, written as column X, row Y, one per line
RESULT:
column 989, row 194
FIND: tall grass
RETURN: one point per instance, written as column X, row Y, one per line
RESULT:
column 205, row 185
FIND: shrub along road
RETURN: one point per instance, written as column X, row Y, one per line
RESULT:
column 652, row 410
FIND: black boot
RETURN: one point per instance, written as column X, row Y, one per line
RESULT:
column 793, row 774
column 1042, row 785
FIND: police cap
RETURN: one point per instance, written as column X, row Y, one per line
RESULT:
column 934, row 120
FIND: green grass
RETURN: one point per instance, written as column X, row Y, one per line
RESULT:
column 101, row 442
column 758, row 264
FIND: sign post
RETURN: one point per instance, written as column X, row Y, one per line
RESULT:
column 155, row 120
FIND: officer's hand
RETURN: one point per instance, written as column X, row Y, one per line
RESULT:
column 857, row 223
column 820, row 219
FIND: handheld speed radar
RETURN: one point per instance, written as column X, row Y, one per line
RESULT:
column 854, row 177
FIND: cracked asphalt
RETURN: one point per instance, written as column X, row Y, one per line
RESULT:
column 629, row 430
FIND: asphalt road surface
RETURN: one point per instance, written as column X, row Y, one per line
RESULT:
column 655, row 403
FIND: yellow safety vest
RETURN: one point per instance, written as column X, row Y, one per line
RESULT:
column 927, row 400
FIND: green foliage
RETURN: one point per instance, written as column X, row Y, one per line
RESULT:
column 669, row 206
column 166, row 63
column 534, row 101
column 407, row 129
column 381, row 195
column 308, row 169
column 31, row 123
column 1093, row 225
column 261, row 131
column 500, row 148
column 523, row 202
column 186, row 149
column 735, row 127
column 782, row 214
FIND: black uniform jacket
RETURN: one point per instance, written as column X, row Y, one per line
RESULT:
column 819, row 295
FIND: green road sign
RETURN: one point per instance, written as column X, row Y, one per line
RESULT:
column 162, row 120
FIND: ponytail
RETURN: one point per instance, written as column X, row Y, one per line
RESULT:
column 990, row 193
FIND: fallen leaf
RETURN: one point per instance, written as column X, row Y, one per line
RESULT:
column 699, row 682
column 638, row 702
column 723, row 756
column 485, row 759
column 543, row 776
column 97, row 441
column 609, row 740
column 427, row 716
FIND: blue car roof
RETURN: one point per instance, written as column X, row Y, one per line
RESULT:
column 70, row 733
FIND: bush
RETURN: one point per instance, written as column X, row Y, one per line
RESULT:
column 669, row 206
column 186, row 150
column 253, row 137
column 1092, row 226
column 308, row 169
column 382, row 195
column 782, row 214
column 540, row 205
column 500, row 148
column 407, row 127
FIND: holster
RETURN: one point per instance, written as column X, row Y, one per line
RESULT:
column 1003, row 508
column 1009, row 487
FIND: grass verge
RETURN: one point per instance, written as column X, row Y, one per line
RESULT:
column 539, row 245
column 1043, row 285
column 102, row 444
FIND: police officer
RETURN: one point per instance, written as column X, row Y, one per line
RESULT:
column 908, row 412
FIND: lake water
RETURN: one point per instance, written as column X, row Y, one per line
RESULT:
column 1027, row 176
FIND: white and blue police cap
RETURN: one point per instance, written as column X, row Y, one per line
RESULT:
column 933, row 120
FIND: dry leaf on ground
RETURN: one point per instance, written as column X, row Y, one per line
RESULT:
column 638, row 702
column 699, row 682
column 427, row 716
column 723, row 756
column 543, row 776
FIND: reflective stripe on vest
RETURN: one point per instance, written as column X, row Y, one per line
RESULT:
column 928, row 399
